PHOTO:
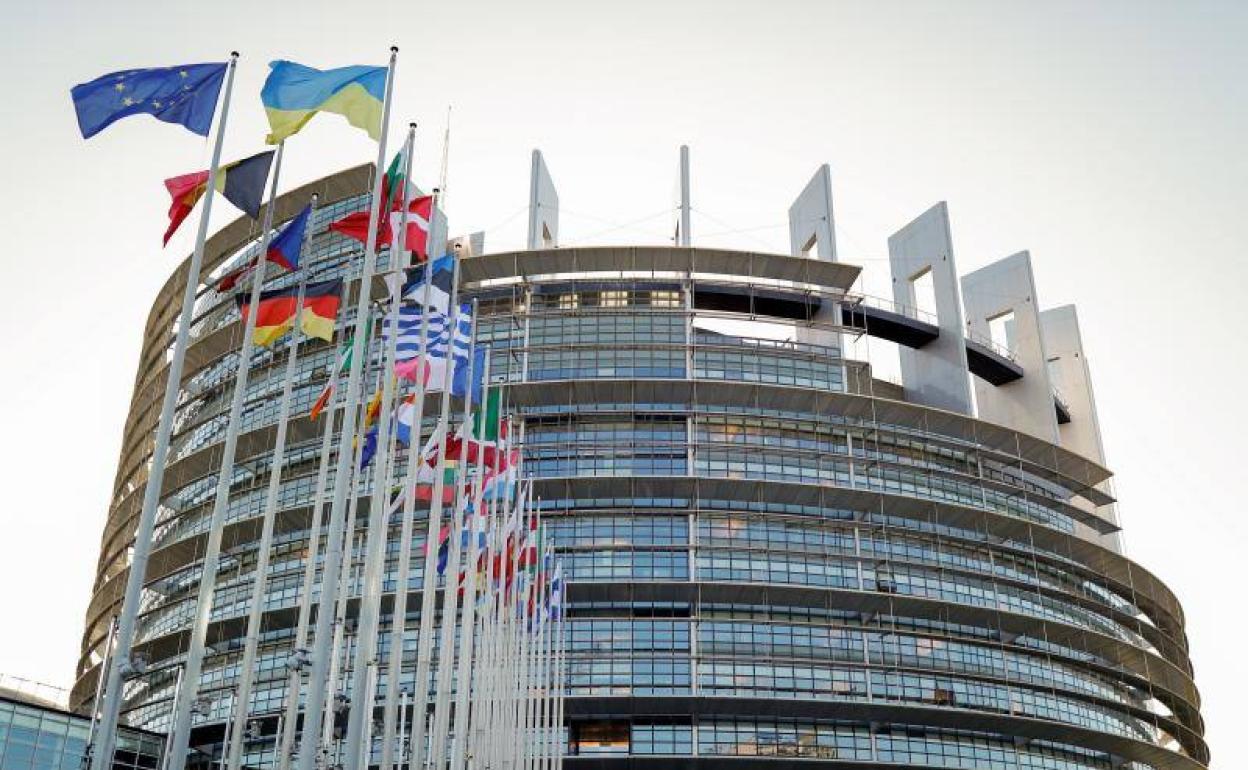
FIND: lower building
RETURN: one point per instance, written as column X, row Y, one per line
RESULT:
column 38, row 734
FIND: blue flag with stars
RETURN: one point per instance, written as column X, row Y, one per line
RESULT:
column 186, row 95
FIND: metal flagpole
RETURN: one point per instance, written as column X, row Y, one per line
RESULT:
column 361, row 716
column 261, row 581
column 102, row 758
column 402, row 727
column 225, row 479
column 100, row 680
column 468, row 625
column 450, row 593
column 428, row 585
column 505, row 508
column 475, row 750
column 341, row 643
column 298, row 657
column 394, row 665
column 333, row 552
column 382, row 498
column 562, row 672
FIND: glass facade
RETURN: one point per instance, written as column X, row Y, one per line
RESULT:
column 773, row 563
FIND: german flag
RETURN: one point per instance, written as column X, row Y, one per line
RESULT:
column 320, row 309
column 241, row 182
column 275, row 313
column 277, row 310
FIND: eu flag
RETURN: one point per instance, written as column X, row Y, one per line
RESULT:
column 186, row 95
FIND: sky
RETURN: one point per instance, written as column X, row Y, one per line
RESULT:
column 1107, row 138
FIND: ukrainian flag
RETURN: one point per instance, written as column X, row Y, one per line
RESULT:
column 293, row 93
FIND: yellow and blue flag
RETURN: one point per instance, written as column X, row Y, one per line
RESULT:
column 186, row 95
column 293, row 93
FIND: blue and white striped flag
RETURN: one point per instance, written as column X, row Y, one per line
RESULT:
column 431, row 371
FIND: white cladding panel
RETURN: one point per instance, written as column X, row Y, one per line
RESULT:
column 936, row 374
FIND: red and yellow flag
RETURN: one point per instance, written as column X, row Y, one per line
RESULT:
column 275, row 313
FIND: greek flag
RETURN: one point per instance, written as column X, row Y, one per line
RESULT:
column 431, row 370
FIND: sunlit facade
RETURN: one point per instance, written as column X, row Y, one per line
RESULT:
column 774, row 557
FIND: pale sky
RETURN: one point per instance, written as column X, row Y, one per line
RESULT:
column 1108, row 138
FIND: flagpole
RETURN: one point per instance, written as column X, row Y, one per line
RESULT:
column 365, row 668
column 428, row 585
column 298, row 653
column 261, row 579
column 450, row 592
column 225, row 478
column 398, row 623
column 420, row 695
column 316, row 694
column 347, row 578
column 468, row 625
column 106, row 735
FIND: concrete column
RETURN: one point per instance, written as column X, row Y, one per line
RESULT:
column 812, row 234
column 993, row 292
column 543, row 206
column 684, row 229
column 1068, row 368
column 471, row 245
column 812, row 228
column 935, row 374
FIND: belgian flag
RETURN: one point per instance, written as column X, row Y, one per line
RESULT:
column 241, row 182
column 275, row 313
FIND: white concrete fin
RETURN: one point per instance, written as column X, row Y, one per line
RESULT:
column 543, row 206
column 1003, row 294
column 471, row 245
column 1072, row 382
column 935, row 374
column 439, row 231
column 812, row 228
column 684, row 226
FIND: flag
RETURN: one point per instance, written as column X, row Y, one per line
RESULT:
column 320, row 309
column 241, row 182
column 355, row 224
column 416, row 236
column 275, row 313
column 369, row 449
column 404, row 417
column 460, row 383
column 555, row 607
column 284, row 250
column 444, row 548
column 431, row 369
column 373, row 409
column 487, row 422
column 293, row 93
column 185, row 95
column 344, row 363
column 419, row 215
column 439, row 290
column 500, row 482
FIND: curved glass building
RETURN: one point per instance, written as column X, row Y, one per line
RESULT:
column 775, row 559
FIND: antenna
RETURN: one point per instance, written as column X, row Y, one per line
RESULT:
column 446, row 155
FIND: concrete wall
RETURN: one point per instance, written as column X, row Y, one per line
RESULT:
column 1003, row 287
column 936, row 374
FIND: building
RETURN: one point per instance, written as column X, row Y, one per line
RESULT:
column 774, row 556
column 37, row 733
